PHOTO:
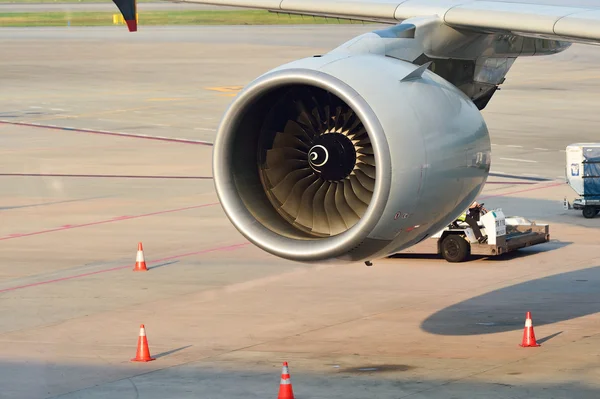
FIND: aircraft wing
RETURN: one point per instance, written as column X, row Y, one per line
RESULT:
column 534, row 18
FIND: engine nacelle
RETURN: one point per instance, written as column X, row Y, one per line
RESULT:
column 348, row 157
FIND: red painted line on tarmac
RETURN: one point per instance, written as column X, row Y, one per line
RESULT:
column 508, row 183
column 115, row 219
column 522, row 191
column 103, row 176
column 107, row 133
column 57, row 280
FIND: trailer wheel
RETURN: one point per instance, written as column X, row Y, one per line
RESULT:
column 589, row 212
column 455, row 248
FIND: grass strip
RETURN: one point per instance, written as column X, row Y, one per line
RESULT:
column 244, row 17
column 66, row 1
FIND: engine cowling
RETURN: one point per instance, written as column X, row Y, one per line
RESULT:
column 348, row 157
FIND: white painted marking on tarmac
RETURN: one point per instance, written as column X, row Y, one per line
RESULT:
column 541, row 149
column 56, row 109
column 518, row 160
column 158, row 124
column 34, row 107
column 205, row 128
column 515, row 146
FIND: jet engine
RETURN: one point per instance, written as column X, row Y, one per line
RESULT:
column 348, row 158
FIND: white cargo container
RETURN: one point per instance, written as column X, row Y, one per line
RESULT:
column 583, row 175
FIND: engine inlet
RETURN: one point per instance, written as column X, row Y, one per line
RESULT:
column 316, row 161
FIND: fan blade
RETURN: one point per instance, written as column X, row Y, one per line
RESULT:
column 338, row 121
column 336, row 222
column 304, row 117
column 358, row 206
column 288, row 140
column 357, row 133
column 283, row 190
column 362, row 193
column 348, row 215
column 346, row 119
column 368, row 169
column 368, row 149
column 317, row 114
column 277, row 174
column 306, row 136
column 368, row 159
column 319, row 128
column 278, row 165
column 365, row 180
column 364, row 142
column 286, row 153
column 327, row 110
column 292, row 203
column 354, row 124
column 306, row 212
column 320, row 222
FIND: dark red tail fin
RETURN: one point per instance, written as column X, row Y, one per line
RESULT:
column 129, row 10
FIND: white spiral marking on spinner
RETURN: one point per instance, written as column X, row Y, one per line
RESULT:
column 313, row 155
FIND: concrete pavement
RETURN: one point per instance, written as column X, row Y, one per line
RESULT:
column 221, row 315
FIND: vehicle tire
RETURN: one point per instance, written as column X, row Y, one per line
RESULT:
column 589, row 212
column 455, row 248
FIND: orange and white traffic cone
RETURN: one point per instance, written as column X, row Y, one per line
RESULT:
column 143, row 352
column 285, row 386
column 140, row 263
column 528, row 334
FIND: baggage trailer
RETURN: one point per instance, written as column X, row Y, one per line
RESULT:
column 504, row 234
column 583, row 175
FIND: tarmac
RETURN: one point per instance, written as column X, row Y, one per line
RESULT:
column 105, row 142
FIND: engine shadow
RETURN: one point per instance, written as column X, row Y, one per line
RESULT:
column 62, row 379
column 550, row 299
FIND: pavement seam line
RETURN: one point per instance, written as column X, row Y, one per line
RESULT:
column 115, row 219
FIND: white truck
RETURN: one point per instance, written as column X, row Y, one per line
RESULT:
column 583, row 175
column 504, row 234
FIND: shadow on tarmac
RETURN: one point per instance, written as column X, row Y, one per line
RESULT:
column 521, row 253
column 551, row 299
column 200, row 380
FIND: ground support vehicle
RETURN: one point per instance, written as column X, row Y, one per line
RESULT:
column 504, row 234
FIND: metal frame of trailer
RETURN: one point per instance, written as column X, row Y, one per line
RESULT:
column 454, row 246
